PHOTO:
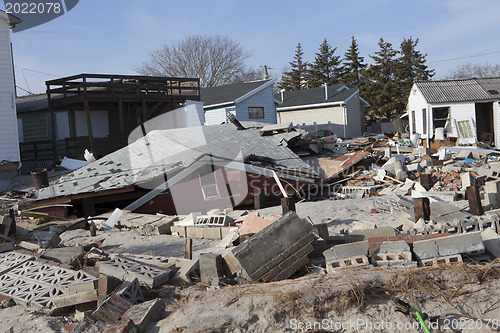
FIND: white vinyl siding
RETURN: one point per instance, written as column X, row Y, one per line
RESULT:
column 216, row 116
column 9, row 149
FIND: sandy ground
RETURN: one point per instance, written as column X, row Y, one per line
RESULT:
column 355, row 301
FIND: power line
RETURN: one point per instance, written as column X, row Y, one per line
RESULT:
column 34, row 71
column 29, row 92
column 473, row 56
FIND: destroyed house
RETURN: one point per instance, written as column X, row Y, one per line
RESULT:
column 179, row 171
column 247, row 101
column 95, row 112
column 467, row 110
column 339, row 106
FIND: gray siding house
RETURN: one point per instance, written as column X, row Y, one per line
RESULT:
column 338, row 105
column 248, row 101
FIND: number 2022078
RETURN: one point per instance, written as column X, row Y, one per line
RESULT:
column 33, row 8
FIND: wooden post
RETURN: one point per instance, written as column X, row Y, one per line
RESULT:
column 426, row 181
column 144, row 112
column 89, row 124
column 475, row 206
column 287, row 204
column 93, row 230
column 120, row 114
column 88, row 207
column 422, row 209
column 188, row 249
column 259, row 199
column 13, row 229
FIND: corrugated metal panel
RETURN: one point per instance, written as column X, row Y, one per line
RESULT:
column 452, row 91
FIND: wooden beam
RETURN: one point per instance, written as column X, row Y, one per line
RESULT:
column 422, row 209
column 188, row 249
column 287, row 204
column 120, row 113
column 475, row 206
column 89, row 124
column 144, row 112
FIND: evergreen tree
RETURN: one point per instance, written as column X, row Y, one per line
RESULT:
column 382, row 89
column 326, row 66
column 353, row 66
column 412, row 65
column 296, row 78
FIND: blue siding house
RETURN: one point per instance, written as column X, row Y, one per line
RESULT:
column 248, row 101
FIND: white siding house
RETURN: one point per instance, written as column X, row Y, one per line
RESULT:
column 338, row 105
column 249, row 101
column 9, row 149
column 446, row 104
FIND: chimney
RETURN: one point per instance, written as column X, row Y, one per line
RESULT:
column 235, row 122
column 326, row 91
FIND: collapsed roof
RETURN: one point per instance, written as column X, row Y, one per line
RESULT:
column 166, row 152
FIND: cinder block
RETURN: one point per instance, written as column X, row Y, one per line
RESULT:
column 400, row 256
column 144, row 314
column 80, row 298
column 127, row 269
column 467, row 180
column 425, row 249
column 454, row 259
column 131, row 291
column 470, row 243
column 211, row 267
column 194, row 232
column 252, row 255
column 211, row 233
column 394, row 247
column 45, row 239
column 182, row 231
column 491, row 241
column 347, row 250
column 357, row 261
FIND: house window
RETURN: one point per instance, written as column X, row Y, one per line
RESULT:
column 61, row 120
column 440, row 116
column 413, row 123
column 99, row 120
column 255, row 112
column 208, row 182
column 424, row 121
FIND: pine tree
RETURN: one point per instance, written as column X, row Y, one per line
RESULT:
column 353, row 66
column 296, row 78
column 382, row 89
column 326, row 66
column 412, row 65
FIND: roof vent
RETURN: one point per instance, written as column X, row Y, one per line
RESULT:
column 493, row 92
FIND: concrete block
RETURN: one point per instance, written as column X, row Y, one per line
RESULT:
column 70, row 300
column 145, row 314
column 212, row 220
column 469, row 243
column 127, row 269
column 181, row 230
column 211, row 233
column 454, row 259
column 354, row 262
column 253, row 254
column 348, row 250
column 415, row 167
column 492, row 193
column 45, row 239
column 396, row 264
column 393, row 247
column 467, row 180
column 211, row 267
column 491, row 241
column 194, row 232
column 425, row 249
column 131, row 291
column 187, row 269
column 252, row 224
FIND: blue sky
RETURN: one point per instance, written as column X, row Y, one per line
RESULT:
column 115, row 36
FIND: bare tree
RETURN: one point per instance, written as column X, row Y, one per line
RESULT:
column 215, row 60
column 469, row 70
column 249, row 74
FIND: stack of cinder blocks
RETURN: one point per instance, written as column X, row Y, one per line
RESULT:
column 275, row 252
